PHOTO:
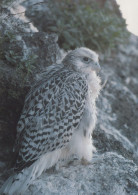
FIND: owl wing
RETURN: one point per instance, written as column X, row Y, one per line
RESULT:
column 51, row 114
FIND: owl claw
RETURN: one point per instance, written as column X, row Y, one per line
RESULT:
column 85, row 162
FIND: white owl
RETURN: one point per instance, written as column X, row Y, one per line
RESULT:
column 57, row 120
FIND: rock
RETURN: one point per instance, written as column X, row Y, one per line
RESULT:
column 118, row 107
column 111, row 140
column 108, row 173
column 23, row 55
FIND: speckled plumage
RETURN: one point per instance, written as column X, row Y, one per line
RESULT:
column 50, row 115
column 58, row 118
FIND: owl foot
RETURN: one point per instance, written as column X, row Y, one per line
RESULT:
column 85, row 162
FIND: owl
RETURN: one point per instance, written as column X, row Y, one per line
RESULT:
column 58, row 118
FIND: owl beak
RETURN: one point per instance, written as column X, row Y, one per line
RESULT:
column 96, row 67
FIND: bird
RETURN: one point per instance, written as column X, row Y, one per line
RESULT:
column 58, row 118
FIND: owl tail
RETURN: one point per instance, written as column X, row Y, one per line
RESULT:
column 17, row 183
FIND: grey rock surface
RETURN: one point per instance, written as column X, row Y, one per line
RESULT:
column 108, row 173
column 119, row 101
column 24, row 53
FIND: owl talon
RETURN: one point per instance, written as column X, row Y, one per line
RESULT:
column 85, row 162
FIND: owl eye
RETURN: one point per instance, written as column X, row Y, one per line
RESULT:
column 86, row 59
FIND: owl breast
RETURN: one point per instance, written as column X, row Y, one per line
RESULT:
column 81, row 141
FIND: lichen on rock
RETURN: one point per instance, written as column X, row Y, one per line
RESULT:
column 23, row 55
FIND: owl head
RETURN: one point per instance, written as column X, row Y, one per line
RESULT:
column 82, row 60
